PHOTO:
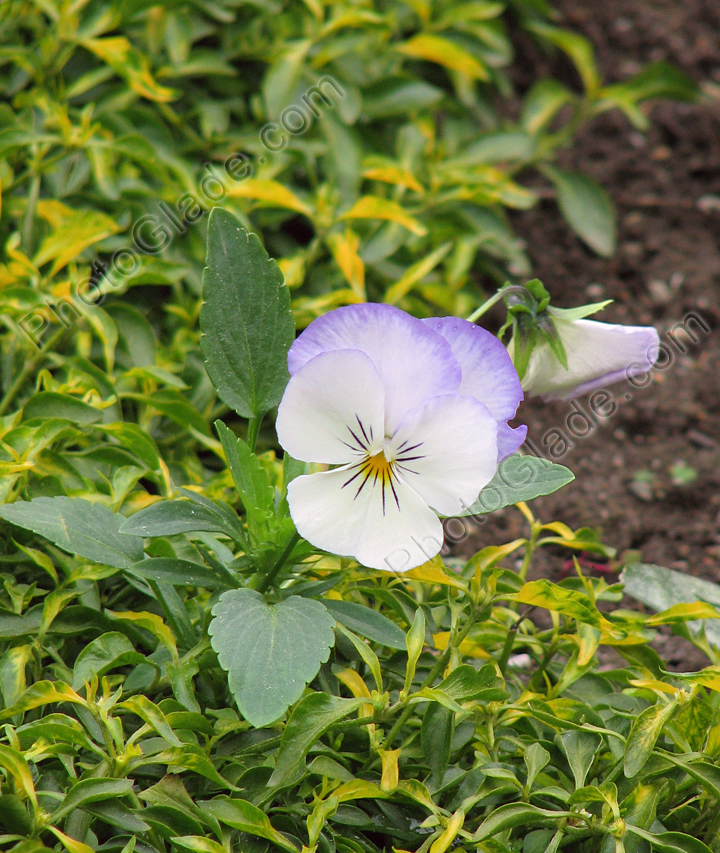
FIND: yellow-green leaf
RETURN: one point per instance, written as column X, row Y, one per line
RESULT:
column 344, row 249
column 271, row 193
column 683, row 613
column 130, row 64
column 446, row 53
column 73, row 233
column 394, row 175
column 375, row 207
column 43, row 693
column 16, row 766
column 416, row 273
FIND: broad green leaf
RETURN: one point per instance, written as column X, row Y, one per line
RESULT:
column 87, row 529
column 397, row 96
column 103, row 654
column 152, row 715
column 269, row 651
column 644, row 734
column 279, row 85
column 444, row 52
column 542, row 103
column 587, row 209
column 198, row 844
column 466, row 683
column 499, row 146
column 90, row 791
column 251, row 480
column 580, row 749
column 366, row 622
column 168, row 570
column 375, row 207
column 657, row 80
column 520, row 478
column 246, row 320
column 578, row 48
column 168, row 518
column 174, row 405
column 518, row 814
column 49, row 404
column 670, row 842
column 309, row 720
column 191, row 757
column 436, row 735
column 246, row 817
column 536, row 757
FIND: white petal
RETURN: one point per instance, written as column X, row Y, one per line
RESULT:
column 447, row 451
column 598, row 354
column 488, row 373
column 414, row 362
column 332, row 409
column 332, row 515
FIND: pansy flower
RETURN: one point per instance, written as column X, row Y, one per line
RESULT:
column 411, row 415
column 598, row 354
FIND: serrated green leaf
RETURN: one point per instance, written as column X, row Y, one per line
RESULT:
column 87, row 529
column 269, row 651
column 246, row 321
column 520, row 478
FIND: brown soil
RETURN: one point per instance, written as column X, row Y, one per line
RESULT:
column 666, row 185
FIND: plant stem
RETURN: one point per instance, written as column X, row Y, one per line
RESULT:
column 496, row 297
column 20, row 379
column 439, row 666
column 252, row 433
column 279, row 563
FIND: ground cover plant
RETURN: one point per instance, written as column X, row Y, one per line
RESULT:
column 194, row 655
column 196, row 678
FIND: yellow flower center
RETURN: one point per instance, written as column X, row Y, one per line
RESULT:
column 378, row 468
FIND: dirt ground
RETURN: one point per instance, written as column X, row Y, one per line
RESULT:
column 648, row 476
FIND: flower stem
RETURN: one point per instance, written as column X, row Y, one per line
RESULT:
column 279, row 563
column 252, row 433
column 495, row 298
column 439, row 666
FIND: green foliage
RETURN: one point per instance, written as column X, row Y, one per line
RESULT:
column 178, row 670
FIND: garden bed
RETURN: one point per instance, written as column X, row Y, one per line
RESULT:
column 666, row 185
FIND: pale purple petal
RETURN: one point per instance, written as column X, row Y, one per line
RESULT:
column 333, row 409
column 335, row 515
column 447, row 451
column 413, row 361
column 598, row 355
column 488, row 373
column 510, row 440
